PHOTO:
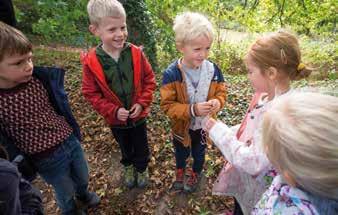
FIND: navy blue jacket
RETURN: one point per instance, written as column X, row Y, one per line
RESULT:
column 9, row 188
column 53, row 80
column 17, row 196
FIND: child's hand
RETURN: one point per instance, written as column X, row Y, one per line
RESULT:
column 208, row 123
column 203, row 108
column 135, row 110
column 216, row 105
column 122, row 114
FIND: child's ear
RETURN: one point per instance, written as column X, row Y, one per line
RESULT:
column 289, row 179
column 179, row 48
column 272, row 73
column 93, row 29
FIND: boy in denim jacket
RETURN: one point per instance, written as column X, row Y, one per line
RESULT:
column 35, row 116
column 119, row 83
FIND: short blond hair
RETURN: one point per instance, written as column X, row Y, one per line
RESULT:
column 190, row 25
column 13, row 41
column 300, row 136
column 97, row 9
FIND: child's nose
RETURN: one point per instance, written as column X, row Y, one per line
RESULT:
column 29, row 66
column 204, row 54
column 120, row 32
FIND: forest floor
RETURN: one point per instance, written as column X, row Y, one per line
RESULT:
column 103, row 153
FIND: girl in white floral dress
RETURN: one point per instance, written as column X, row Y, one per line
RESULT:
column 300, row 134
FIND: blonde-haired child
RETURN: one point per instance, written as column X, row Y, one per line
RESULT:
column 192, row 88
column 98, row 9
column 272, row 61
column 300, row 134
column 118, row 82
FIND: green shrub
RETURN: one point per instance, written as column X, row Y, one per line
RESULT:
column 141, row 28
column 229, row 57
column 55, row 21
column 320, row 54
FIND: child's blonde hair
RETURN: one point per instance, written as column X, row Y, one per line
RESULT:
column 13, row 41
column 189, row 25
column 300, row 136
column 97, row 9
column 281, row 51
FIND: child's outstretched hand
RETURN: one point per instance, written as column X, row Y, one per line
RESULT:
column 202, row 108
column 208, row 123
column 122, row 114
column 216, row 105
column 135, row 110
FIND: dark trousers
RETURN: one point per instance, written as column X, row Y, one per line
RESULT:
column 197, row 150
column 134, row 147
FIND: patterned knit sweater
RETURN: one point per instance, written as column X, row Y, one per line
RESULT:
column 28, row 117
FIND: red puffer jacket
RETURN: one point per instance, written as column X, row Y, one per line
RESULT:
column 96, row 90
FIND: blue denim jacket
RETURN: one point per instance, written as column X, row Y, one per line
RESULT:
column 53, row 80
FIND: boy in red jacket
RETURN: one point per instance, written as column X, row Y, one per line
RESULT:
column 119, row 83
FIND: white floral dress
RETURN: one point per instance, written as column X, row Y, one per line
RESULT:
column 281, row 198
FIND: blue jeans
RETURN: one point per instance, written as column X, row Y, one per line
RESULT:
column 197, row 150
column 66, row 170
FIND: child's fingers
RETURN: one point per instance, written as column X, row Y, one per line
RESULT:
column 134, row 114
column 123, row 114
column 206, row 106
column 123, row 117
column 132, row 109
column 203, row 108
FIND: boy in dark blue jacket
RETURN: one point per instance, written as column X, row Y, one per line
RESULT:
column 35, row 116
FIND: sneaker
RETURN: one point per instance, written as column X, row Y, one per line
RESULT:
column 178, row 183
column 192, row 182
column 142, row 178
column 129, row 176
column 90, row 200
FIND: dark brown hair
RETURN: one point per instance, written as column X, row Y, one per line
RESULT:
column 13, row 41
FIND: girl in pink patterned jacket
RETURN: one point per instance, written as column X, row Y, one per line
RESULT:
column 272, row 62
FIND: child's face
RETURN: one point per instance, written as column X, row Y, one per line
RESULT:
column 259, row 82
column 112, row 32
column 15, row 69
column 195, row 51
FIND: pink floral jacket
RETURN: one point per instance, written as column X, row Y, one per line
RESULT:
column 248, row 172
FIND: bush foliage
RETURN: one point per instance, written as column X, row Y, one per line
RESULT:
column 66, row 21
column 150, row 24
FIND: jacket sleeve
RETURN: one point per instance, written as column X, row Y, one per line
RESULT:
column 220, row 94
column 169, row 102
column 249, row 158
column 9, row 191
column 148, row 83
column 220, row 89
column 93, row 94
